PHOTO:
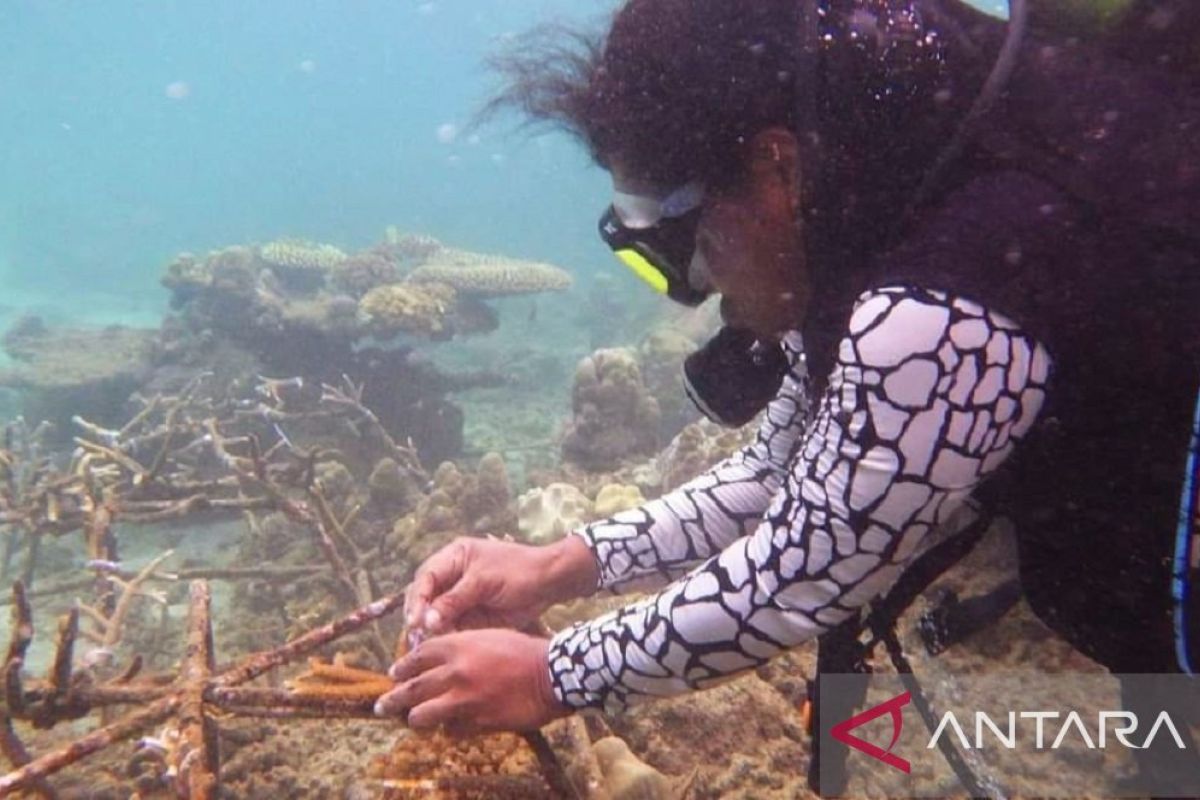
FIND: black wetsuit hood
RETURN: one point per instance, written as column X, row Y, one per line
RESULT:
column 890, row 83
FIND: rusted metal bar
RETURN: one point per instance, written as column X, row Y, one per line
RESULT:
column 129, row 725
column 60, row 672
column 22, row 624
column 205, row 573
column 14, row 750
column 255, row 665
column 552, row 768
column 253, row 701
column 200, row 765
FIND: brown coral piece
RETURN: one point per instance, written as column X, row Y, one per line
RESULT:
column 491, row 276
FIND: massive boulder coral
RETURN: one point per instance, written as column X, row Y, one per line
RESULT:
column 698, row 447
column 615, row 417
column 458, row 503
column 490, row 276
column 546, row 515
column 661, row 355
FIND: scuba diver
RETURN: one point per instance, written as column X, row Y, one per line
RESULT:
column 959, row 266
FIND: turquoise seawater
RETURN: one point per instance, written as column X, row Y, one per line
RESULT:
column 135, row 129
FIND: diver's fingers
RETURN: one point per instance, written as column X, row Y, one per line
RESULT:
column 439, row 711
column 446, row 609
column 442, row 571
column 413, row 692
column 416, row 598
column 425, row 656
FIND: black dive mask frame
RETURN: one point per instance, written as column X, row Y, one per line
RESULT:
column 660, row 254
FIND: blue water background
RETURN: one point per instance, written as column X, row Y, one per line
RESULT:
column 131, row 130
column 326, row 120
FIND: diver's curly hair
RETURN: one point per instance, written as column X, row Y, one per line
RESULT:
column 672, row 92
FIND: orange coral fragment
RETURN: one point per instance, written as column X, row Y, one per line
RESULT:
column 338, row 680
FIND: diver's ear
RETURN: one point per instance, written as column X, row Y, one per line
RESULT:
column 775, row 167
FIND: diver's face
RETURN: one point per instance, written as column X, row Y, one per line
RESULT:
column 749, row 249
column 749, row 244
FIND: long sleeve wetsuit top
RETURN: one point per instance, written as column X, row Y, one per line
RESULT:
column 929, row 393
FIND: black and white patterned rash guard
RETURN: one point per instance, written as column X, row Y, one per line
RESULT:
column 929, row 394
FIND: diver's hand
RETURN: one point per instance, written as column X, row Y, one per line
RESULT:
column 470, row 682
column 473, row 583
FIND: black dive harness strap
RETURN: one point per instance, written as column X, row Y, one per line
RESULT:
column 843, row 651
column 1186, row 571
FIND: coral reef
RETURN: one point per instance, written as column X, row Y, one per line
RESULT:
column 298, row 308
column 545, row 515
column 615, row 417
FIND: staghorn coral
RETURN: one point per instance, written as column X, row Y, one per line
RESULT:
column 407, row 307
column 490, row 276
column 339, row 680
column 615, row 417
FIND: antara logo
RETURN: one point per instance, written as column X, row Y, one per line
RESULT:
column 1071, row 726
column 841, row 731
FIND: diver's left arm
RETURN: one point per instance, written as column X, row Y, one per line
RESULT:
column 929, row 395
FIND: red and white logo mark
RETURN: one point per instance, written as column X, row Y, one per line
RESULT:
column 841, row 731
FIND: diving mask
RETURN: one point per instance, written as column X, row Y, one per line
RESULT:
column 656, row 238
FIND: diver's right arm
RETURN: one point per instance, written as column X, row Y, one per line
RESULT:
column 668, row 536
column 484, row 582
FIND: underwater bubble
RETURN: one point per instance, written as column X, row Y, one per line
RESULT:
column 178, row 90
column 447, row 132
column 307, row 66
column 454, row 161
column 426, row 9
column 498, row 158
column 474, row 139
